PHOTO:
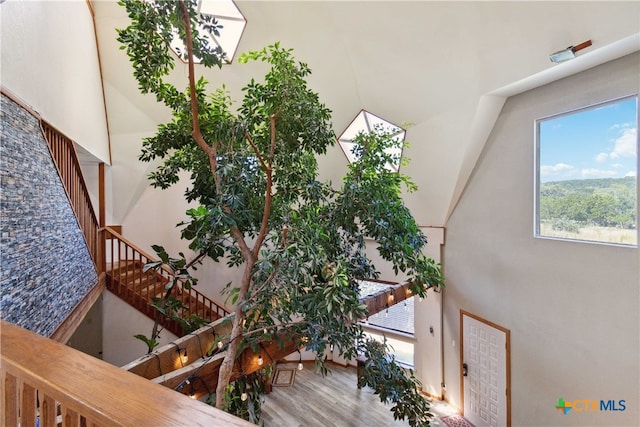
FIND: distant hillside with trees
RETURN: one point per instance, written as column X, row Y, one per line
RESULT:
column 575, row 204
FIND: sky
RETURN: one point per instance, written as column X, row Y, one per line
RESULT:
column 600, row 142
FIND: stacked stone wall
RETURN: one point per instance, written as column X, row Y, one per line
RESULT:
column 45, row 266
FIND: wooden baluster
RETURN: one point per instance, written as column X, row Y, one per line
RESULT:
column 28, row 406
column 10, row 399
column 70, row 418
column 127, row 262
column 47, row 411
column 112, row 259
column 120, row 258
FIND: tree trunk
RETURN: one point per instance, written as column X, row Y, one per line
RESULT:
column 226, row 368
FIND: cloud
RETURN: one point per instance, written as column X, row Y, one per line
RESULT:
column 625, row 145
column 597, row 173
column 631, row 173
column 559, row 170
column 602, row 157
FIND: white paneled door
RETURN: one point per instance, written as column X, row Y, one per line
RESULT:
column 484, row 372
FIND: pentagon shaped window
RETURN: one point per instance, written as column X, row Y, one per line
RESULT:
column 366, row 122
column 231, row 22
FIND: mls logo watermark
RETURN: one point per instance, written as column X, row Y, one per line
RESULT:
column 586, row 405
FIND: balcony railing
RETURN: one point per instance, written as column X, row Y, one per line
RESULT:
column 45, row 383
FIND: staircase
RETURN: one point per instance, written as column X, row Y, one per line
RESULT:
column 127, row 280
column 112, row 254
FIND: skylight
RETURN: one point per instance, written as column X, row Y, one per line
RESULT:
column 367, row 122
column 229, row 17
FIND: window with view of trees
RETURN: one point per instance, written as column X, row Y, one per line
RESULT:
column 587, row 174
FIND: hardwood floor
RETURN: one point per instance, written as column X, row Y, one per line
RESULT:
column 314, row 401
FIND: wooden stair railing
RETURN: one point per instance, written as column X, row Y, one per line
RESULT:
column 65, row 157
column 125, row 279
column 45, row 383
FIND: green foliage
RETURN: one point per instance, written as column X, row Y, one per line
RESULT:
column 148, row 44
column 255, row 179
column 244, row 396
column 609, row 202
column 151, row 343
column 390, row 382
column 169, row 307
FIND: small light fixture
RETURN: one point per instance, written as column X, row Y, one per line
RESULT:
column 260, row 361
column 568, row 53
column 300, row 365
column 392, row 297
column 182, row 354
column 219, row 344
column 244, row 396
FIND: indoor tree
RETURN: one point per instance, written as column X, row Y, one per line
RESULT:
column 300, row 243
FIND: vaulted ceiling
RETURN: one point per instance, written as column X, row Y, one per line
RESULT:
column 445, row 67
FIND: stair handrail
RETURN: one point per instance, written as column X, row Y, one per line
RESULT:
column 66, row 161
column 120, row 252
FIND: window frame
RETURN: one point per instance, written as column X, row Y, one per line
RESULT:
column 537, row 183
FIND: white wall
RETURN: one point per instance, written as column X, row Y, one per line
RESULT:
column 120, row 322
column 572, row 308
column 49, row 60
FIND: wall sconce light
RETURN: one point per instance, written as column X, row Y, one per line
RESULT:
column 568, row 53
column 260, row 361
column 392, row 297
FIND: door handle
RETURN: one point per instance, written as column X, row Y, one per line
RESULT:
column 465, row 369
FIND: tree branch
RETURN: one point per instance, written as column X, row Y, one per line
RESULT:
column 210, row 150
column 268, row 197
column 255, row 150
